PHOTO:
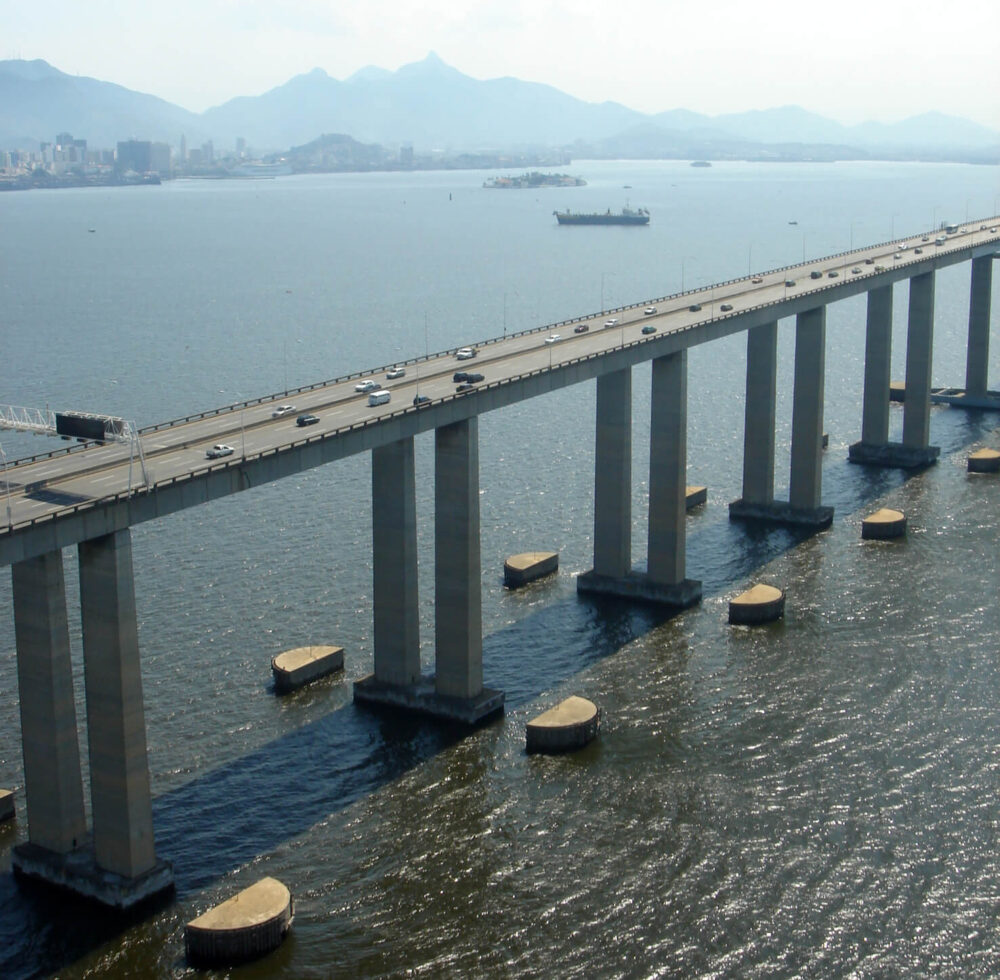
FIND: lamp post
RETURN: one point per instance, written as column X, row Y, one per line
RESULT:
column 6, row 484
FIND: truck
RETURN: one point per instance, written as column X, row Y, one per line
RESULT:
column 379, row 397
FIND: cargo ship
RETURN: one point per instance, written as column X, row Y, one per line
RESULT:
column 626, row 216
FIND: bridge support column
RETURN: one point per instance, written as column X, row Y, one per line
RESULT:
column 456, row 692
column 878, row 354
column 978, row 354
column 394, row 539
column 664, row 582
column 52, row 781
column 804, row 507
column 116, row 726
column 758, row 423
column 121, row 869
column 913, row 451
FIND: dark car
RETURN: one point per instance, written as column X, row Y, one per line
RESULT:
column 460, row 376
column 649, row 328
column 307, row 420
column 419, row 400
column 472, row 377
column 581, row 328
column 815, row 274
column 694, row 307
column 833, row 273
column 789, row 282
column 466, row 386
column 726, row 307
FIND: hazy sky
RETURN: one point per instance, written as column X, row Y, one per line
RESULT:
column 851, row 61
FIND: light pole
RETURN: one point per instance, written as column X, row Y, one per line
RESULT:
column 6, row 484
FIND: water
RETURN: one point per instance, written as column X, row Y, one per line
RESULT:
column 815, row 798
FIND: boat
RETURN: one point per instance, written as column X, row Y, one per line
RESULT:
column 535, row 179
column 700, row 163
column 627, row 216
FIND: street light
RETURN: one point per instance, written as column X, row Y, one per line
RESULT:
column 6, row 483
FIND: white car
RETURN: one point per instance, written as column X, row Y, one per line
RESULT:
column 649, row 311
column 369, row 385
column 611, row 323
column 217, row 451
column 396, row 373
column 282, row 410
column 553, row 338
column 464, row 353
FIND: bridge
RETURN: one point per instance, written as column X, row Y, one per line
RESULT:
column 90, row 495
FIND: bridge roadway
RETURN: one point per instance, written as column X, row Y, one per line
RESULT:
column 44, row 487
column 91, row 497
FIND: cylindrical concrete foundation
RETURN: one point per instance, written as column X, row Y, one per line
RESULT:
column 883, row 525
column 761, row 604
column 250, row 924
column 297, row 667
column 984, row 461
column 571, row 724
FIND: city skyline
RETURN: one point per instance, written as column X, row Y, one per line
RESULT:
column 888, row 64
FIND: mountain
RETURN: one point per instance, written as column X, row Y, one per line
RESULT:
column 433, row 106
column 38, row 101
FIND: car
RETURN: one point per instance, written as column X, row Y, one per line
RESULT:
column 869, row 261
column 474, row 377
column 726, row 307
column 832, row 274
column 993, row 231
column 815, row 274
column 757, row 280
column 465, row 386
column 649, row 311
column 613, row 322
column 218, row 451
column 369, row 385
column 649, row 328
column 880, row 268
column 396, row 373
column 789, row 282
column 460, row 376
column 903, row 246
column 419, row 400
column 464, row 353
column 926, row 239
column 856, row 270
column 304, row 420
column 897, row 256
column 918, row 251
column 694, row 307
column 282, row 410
column 553, row 338
column 581, row 328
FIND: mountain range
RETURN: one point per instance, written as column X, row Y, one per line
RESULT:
column 432, row 106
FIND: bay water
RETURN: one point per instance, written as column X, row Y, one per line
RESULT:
column 814, row 798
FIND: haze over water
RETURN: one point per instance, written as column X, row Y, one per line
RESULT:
column 816, row 798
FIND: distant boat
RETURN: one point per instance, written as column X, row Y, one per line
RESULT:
column 793, row 222
column 700, row 163
column 534, row 179
column 626, row 216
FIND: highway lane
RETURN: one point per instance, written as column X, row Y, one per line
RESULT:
column 180, row 449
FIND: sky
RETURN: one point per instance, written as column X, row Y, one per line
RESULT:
column 882, row 60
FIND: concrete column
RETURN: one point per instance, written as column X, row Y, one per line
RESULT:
column 394, row 540
column 919, row 357
column 53, row 785
column 119, row 770
column 878, row 352
column 978, row 356
column 613, row 475
column 457, row 583
column 805, row 482
column 668, row 470
column 758, row 425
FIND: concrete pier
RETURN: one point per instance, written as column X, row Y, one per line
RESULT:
column 759, row 604
column 244, row 927
column 883, row 525
column 613, row 476
column 293, row 669
column 978, row 352
column 530, row 565
column 695, row 497
column 571, row 724
column 759, row 415
column 394, row 560
column 664, row 581
column 804, row 507
column 919, row 352
column 53, row 785
column 7, row 811
column 877, row 387
column 983, row 461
